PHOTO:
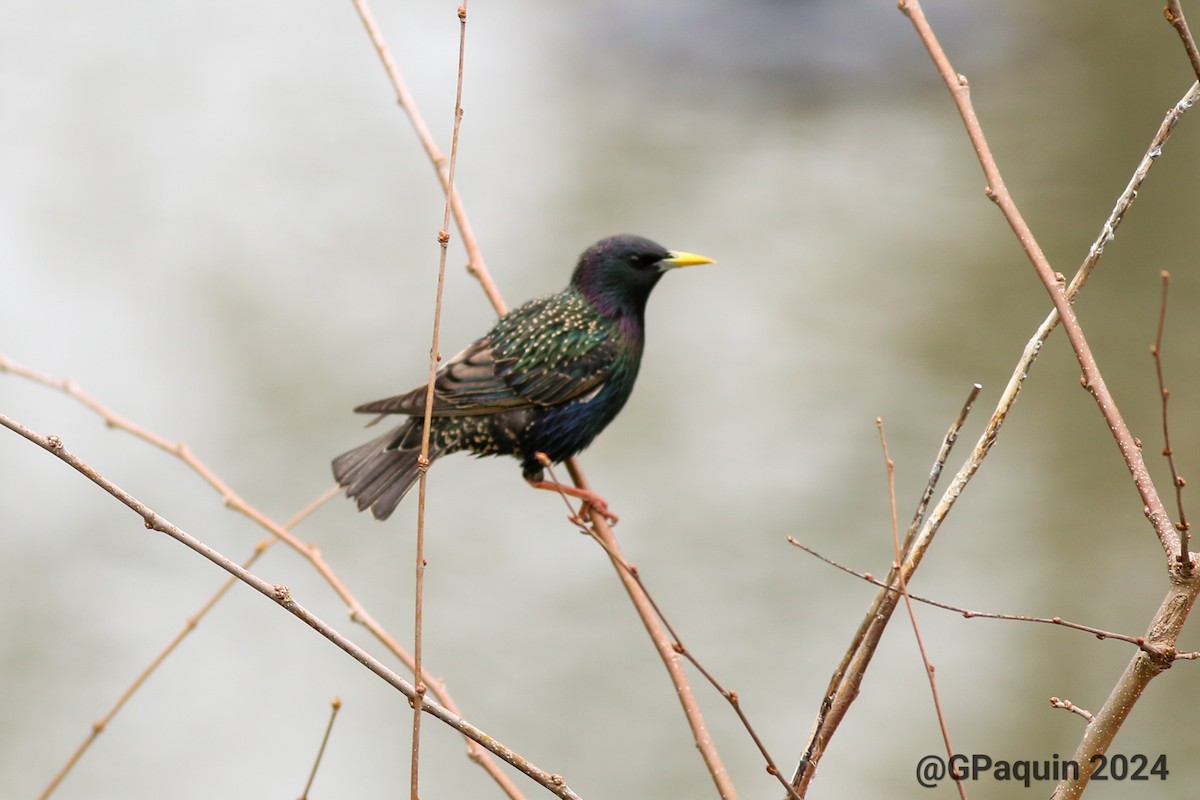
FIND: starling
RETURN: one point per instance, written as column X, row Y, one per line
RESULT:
column 543, row 382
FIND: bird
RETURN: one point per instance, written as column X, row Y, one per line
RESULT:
column 548, row 377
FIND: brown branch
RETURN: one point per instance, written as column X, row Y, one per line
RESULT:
column 1158, row 655
column 1109, row 230
column 662, row 644
column 427, row 422
column 1092, row 379
column 231, row 500
column 1183, row 526
column 335, row 707
column 101, row 725
column 282, row 597
column 679, row 647
column 843, row 687
column 1174, row 14
column 1168, row 621
column 967, row 613
column 847, row 677
column 677, row 644
column 1067, row 705
column 908, row 603
column 477, row 267
column 939, row 464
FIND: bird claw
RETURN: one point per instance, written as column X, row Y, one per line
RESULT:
column 597, row 505
column 592, row 502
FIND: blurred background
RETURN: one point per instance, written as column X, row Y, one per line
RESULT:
column 216, row 220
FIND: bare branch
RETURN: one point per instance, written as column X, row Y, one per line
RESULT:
column 1092, row 379
column 426, row 423
column 1157, row 655
column 282, row 597
column 475, row 263
column 968, row 613
column 662, row 643
column 1174, row 14
column 908, row 603
column 101, row 725
column 335, row 707
column 231, row 500
column 847, row 677
column 477, row 267
column 844, row 687
column 939, row 463
column 677, row 643
column 1067, row 705
column 1167, row 622
column 1183, row 526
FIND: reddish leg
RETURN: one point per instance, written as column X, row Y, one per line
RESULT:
column 591, row 500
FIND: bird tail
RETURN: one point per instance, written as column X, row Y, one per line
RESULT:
column 379, row 473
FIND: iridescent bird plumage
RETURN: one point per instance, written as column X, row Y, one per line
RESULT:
column 545, row 380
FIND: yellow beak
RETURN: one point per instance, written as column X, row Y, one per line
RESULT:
column 681, row 259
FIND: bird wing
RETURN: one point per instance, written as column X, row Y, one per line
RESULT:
column 533, row 370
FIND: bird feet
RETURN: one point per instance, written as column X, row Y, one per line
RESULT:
column 595, row 504
column 592, row 502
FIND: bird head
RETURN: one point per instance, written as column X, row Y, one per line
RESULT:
column 617, row 273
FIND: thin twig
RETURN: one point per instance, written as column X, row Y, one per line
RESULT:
column 847, row 677
column 189, row 625
column 939, row 464
column 101, row 725
column 1108, row 230
column 908, row 604
column 1092, row 379
column 967, row 613
column 435, row 356
column 677, row 643
column 282, row 597
column 1067, row 705
column 844, row 686
column 662, row 644
column 477, row 267
column 1181, row 596
column 1183, row 526
column 335, row 707
column 231, row 500
column 1174, row 14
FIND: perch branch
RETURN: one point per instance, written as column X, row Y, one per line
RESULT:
column 443, row 239
column 662, row 644
column 477, row 267
column 677, row 644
